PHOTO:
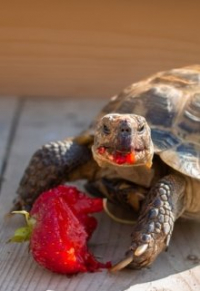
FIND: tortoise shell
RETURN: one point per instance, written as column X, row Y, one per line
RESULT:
column 170, row 102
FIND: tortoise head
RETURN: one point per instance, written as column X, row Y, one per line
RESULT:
column 123, row 140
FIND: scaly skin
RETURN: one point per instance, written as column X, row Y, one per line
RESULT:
column 153, row 230
column 49, row 167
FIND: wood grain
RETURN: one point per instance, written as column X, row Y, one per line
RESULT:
column 92, row 48
column 50, row 119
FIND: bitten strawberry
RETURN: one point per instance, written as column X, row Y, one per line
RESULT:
column 59, row 227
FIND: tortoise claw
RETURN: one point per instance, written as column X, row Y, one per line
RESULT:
column 122, row 264
column 141, row 250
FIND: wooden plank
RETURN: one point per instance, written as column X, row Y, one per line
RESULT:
column 52, row 119
column 85, row 48
column 8, row 113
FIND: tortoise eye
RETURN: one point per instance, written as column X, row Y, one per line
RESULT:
column 106, row 130
column 141, row 128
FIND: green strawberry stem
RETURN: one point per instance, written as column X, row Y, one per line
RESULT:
column 23, row 234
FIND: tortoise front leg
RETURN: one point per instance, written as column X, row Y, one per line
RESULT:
column 153, row 229
column 51, row 165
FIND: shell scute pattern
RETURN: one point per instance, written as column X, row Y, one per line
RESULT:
column 161, row 105
column 188, row 148
column 164, row 140
column 185, row 158
column 190, row 117
column 157, row 103
column 188, row 75
column 180, row 78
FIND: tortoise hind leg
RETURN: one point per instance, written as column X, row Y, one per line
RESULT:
column 51, row 165
column 153, row 229
column 118, row 191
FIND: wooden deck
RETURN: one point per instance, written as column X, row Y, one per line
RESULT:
column 25, row 124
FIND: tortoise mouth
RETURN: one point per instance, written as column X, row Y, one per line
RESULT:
column 120, row 157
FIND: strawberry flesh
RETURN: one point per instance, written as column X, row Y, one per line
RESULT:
column 63, row 227
column 118, row 157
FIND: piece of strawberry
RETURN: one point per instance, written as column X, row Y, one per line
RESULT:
column 59, row 227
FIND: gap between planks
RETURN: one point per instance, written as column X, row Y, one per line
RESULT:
column 10, row 139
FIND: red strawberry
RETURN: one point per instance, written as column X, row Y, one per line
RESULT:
column 61, row 228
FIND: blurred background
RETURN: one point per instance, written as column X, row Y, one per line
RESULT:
column 92, row 48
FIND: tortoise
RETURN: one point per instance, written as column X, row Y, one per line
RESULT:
column 142, row 152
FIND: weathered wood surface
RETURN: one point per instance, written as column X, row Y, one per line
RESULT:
column 27, row 124
column 92, row 48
